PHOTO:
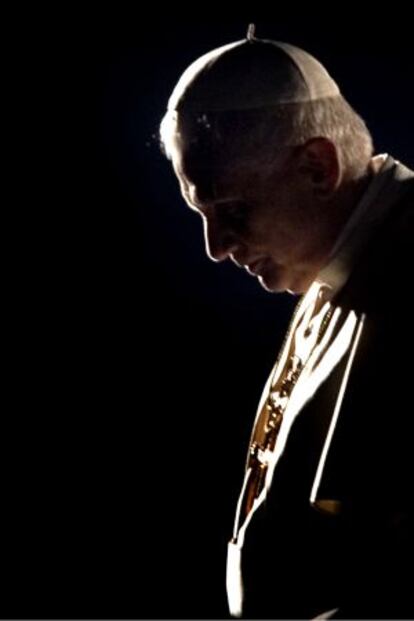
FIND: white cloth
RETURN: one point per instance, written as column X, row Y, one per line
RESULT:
column 318, row 352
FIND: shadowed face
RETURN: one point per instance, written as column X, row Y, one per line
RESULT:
column 259, row 215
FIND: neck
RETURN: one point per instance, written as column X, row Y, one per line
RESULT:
column 347, row 200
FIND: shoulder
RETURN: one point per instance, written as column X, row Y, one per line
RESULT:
column 383, row 270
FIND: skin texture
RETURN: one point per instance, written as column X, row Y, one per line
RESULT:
column 279, row 220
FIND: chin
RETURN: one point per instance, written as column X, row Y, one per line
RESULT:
column 272, row 285
column 279, row 281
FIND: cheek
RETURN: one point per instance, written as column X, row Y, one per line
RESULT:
column 265, row 228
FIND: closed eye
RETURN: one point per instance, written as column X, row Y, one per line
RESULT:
column 233, row 217
column 232, row 211
column 228, row 213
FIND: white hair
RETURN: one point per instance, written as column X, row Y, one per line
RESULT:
column 261, row 133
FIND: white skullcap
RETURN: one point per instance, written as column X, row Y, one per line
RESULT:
column 248, row 74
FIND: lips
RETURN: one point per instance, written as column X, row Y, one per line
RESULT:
column 255, row 268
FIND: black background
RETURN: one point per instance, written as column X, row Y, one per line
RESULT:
column 135, row 364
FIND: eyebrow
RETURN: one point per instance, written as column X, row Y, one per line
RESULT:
column 203, row 205
column 223, row 202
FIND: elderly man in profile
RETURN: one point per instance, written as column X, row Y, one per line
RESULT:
column 281, row 170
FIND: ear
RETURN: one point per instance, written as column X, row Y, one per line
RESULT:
column 318, row 162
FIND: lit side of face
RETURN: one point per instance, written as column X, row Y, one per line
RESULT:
column 258, row 216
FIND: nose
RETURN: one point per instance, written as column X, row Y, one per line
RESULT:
column 220, row 241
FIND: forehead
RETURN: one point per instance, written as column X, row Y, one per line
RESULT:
column 210, row 178
column 195, row 173
column 203, row 155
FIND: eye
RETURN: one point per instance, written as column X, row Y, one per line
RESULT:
column 232, row 212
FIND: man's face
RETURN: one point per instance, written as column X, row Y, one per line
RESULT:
column 260, row 216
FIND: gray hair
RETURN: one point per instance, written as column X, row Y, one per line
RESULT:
column 260, row 134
